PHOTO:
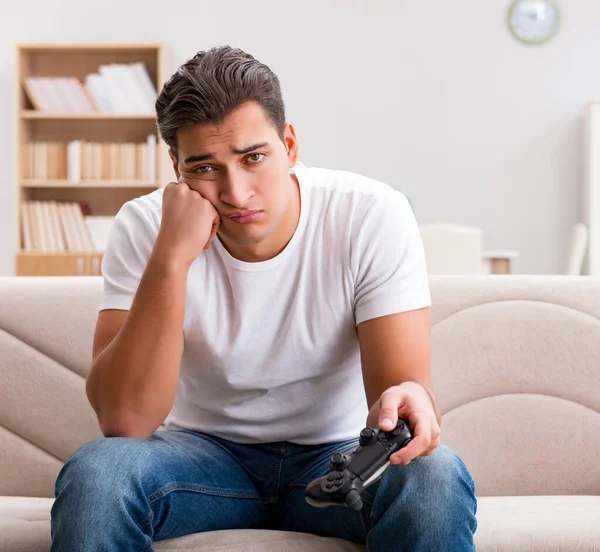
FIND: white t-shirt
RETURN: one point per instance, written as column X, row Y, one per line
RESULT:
column 271, row 349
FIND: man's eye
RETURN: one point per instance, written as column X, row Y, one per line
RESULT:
column 203, row 169
column 256, row 157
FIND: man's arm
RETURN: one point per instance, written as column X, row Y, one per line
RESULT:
column 136, row 357
column 137, row 354
column 395, row 357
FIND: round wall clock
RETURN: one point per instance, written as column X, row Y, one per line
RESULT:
column 534, row 21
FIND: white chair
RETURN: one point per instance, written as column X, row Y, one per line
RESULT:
column 577, row 248
column 452, row 248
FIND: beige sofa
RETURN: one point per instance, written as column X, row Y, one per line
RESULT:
column 516, row 364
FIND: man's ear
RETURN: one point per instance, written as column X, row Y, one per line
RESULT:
column 291, row 144
column 173, row 157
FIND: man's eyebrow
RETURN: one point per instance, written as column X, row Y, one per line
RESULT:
column 198, row 157
column 250, row 148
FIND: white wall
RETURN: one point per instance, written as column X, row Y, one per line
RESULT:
column 435, row 98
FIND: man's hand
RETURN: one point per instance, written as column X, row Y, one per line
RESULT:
column 411, row 402
column 189, row 223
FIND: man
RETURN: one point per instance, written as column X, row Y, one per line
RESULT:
column 266, row 313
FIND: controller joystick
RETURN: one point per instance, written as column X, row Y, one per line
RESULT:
column 339, row 461
column 351, row 473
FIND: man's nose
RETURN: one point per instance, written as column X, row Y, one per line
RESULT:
column 236, row 191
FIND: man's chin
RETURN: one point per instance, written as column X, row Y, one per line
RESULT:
column 241, row 239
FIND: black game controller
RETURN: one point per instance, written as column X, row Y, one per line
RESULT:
column 351, row 473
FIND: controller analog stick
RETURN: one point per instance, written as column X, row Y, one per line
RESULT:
column 339, row 461
column 366, row 436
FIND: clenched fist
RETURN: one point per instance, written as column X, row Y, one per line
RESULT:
column 189, row 223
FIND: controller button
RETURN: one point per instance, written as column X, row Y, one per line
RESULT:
column 397, row 431
column 330, row 477
column 329, row 485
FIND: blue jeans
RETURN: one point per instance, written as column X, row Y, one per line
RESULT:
column 119, row 494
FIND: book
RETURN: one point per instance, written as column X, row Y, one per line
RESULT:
column 114, row 88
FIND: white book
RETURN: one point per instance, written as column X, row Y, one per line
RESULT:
column 29, row 167
column 55, row 87
column 151, row 143
column 48, row 229
column 113, row 82
column 74, row 161
column 80, row 98
column 34, row 225
column 67, row 226
column 143, row 162
column 64, row 91
column 97, row 161
column 45, row 90
column 33, row 148
column 58, row 237
column 71, row 223
column 35, row 88
column 57, row 230
column 100, row 96
column 26, row 227
column 42, row 234
column 82, row 229
column 42, row 160
column 140, row 72
column 136, row 98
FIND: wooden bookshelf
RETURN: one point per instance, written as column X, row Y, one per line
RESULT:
column 48, row 183
column 59, row 264
column 33, row 114
column 94, row 153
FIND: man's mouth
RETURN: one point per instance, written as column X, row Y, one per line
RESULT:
column 244, row 217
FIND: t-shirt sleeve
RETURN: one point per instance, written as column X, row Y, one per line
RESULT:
column 130, row 242
column 391, row 273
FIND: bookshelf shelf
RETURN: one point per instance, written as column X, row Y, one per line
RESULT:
column 77, row 263
column 91, row 46
column 51, row 254
column 89, row 184
column 88, row 143
column 33, row 114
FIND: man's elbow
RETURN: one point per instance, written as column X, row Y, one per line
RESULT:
column 125, row 426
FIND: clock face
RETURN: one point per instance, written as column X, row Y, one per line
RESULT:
column 534, row 21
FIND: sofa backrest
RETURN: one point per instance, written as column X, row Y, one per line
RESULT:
column 515, row 364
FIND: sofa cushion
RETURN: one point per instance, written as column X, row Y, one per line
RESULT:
column 538, row 524
column 256, row 540
column 25, row 524
column 25, row 527
column 506, row 524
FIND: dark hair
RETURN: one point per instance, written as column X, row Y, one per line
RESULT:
column 213, row 83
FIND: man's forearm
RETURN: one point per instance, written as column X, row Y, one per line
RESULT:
column 133, row 382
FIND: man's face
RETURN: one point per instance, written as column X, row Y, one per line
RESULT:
column 242, row 167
